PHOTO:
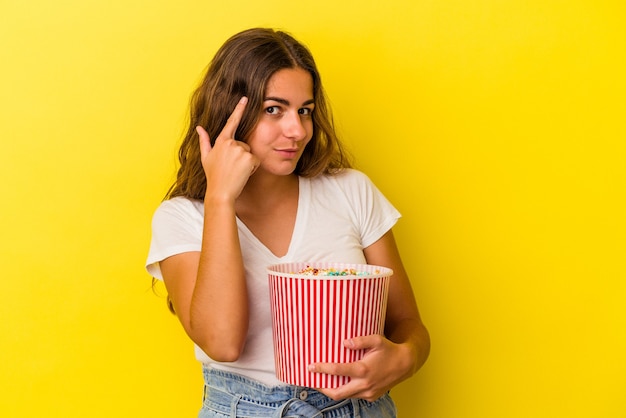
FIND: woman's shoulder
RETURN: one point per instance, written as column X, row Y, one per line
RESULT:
column 180, row 206
column 343, row 177
column 349, row 183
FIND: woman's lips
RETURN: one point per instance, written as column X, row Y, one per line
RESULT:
column 288, row 152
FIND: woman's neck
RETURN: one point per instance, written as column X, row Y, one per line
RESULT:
column 264, row 190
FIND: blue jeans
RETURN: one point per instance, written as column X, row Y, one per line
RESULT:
column 232, row 395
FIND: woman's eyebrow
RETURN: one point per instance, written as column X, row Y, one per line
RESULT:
column 286, row 102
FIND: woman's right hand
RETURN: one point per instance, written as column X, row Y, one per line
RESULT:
column 228, row 164
column 208, row 287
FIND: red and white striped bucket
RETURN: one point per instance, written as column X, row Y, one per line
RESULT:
column 312, row 316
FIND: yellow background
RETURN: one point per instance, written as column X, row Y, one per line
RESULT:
column 496, row 127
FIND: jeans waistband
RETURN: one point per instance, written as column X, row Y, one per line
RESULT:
column 237, row 395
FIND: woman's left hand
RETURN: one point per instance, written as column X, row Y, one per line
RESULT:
column 384, row 365
column 387, row 360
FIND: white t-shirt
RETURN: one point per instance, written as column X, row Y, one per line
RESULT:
column 338, row 216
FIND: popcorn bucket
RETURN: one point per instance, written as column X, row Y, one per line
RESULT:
column 312, row 314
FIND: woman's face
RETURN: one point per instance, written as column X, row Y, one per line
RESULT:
column 286, row 123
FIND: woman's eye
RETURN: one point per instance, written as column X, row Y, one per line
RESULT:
column 272, row 110
column 305, row 111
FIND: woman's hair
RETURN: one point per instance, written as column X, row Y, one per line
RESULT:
column 243, row 67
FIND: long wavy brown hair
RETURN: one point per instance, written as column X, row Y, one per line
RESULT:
column 242, row 67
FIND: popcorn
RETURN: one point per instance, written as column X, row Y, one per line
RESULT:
column 316, row 306
column 312, row 271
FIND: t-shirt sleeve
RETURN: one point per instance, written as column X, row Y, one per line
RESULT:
column 374, row 213
column 176, row 228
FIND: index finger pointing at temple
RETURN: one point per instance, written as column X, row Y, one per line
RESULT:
column 233, row 121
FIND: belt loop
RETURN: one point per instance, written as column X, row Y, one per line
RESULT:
column 356, row 410
column 233, row 406
column 283, row 408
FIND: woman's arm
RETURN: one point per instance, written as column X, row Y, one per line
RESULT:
column 208, row 288
column 403, row 322
column 405, row 347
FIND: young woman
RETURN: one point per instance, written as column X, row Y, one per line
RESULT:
column 263, row 180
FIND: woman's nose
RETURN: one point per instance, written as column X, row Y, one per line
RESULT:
column 294, row 127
